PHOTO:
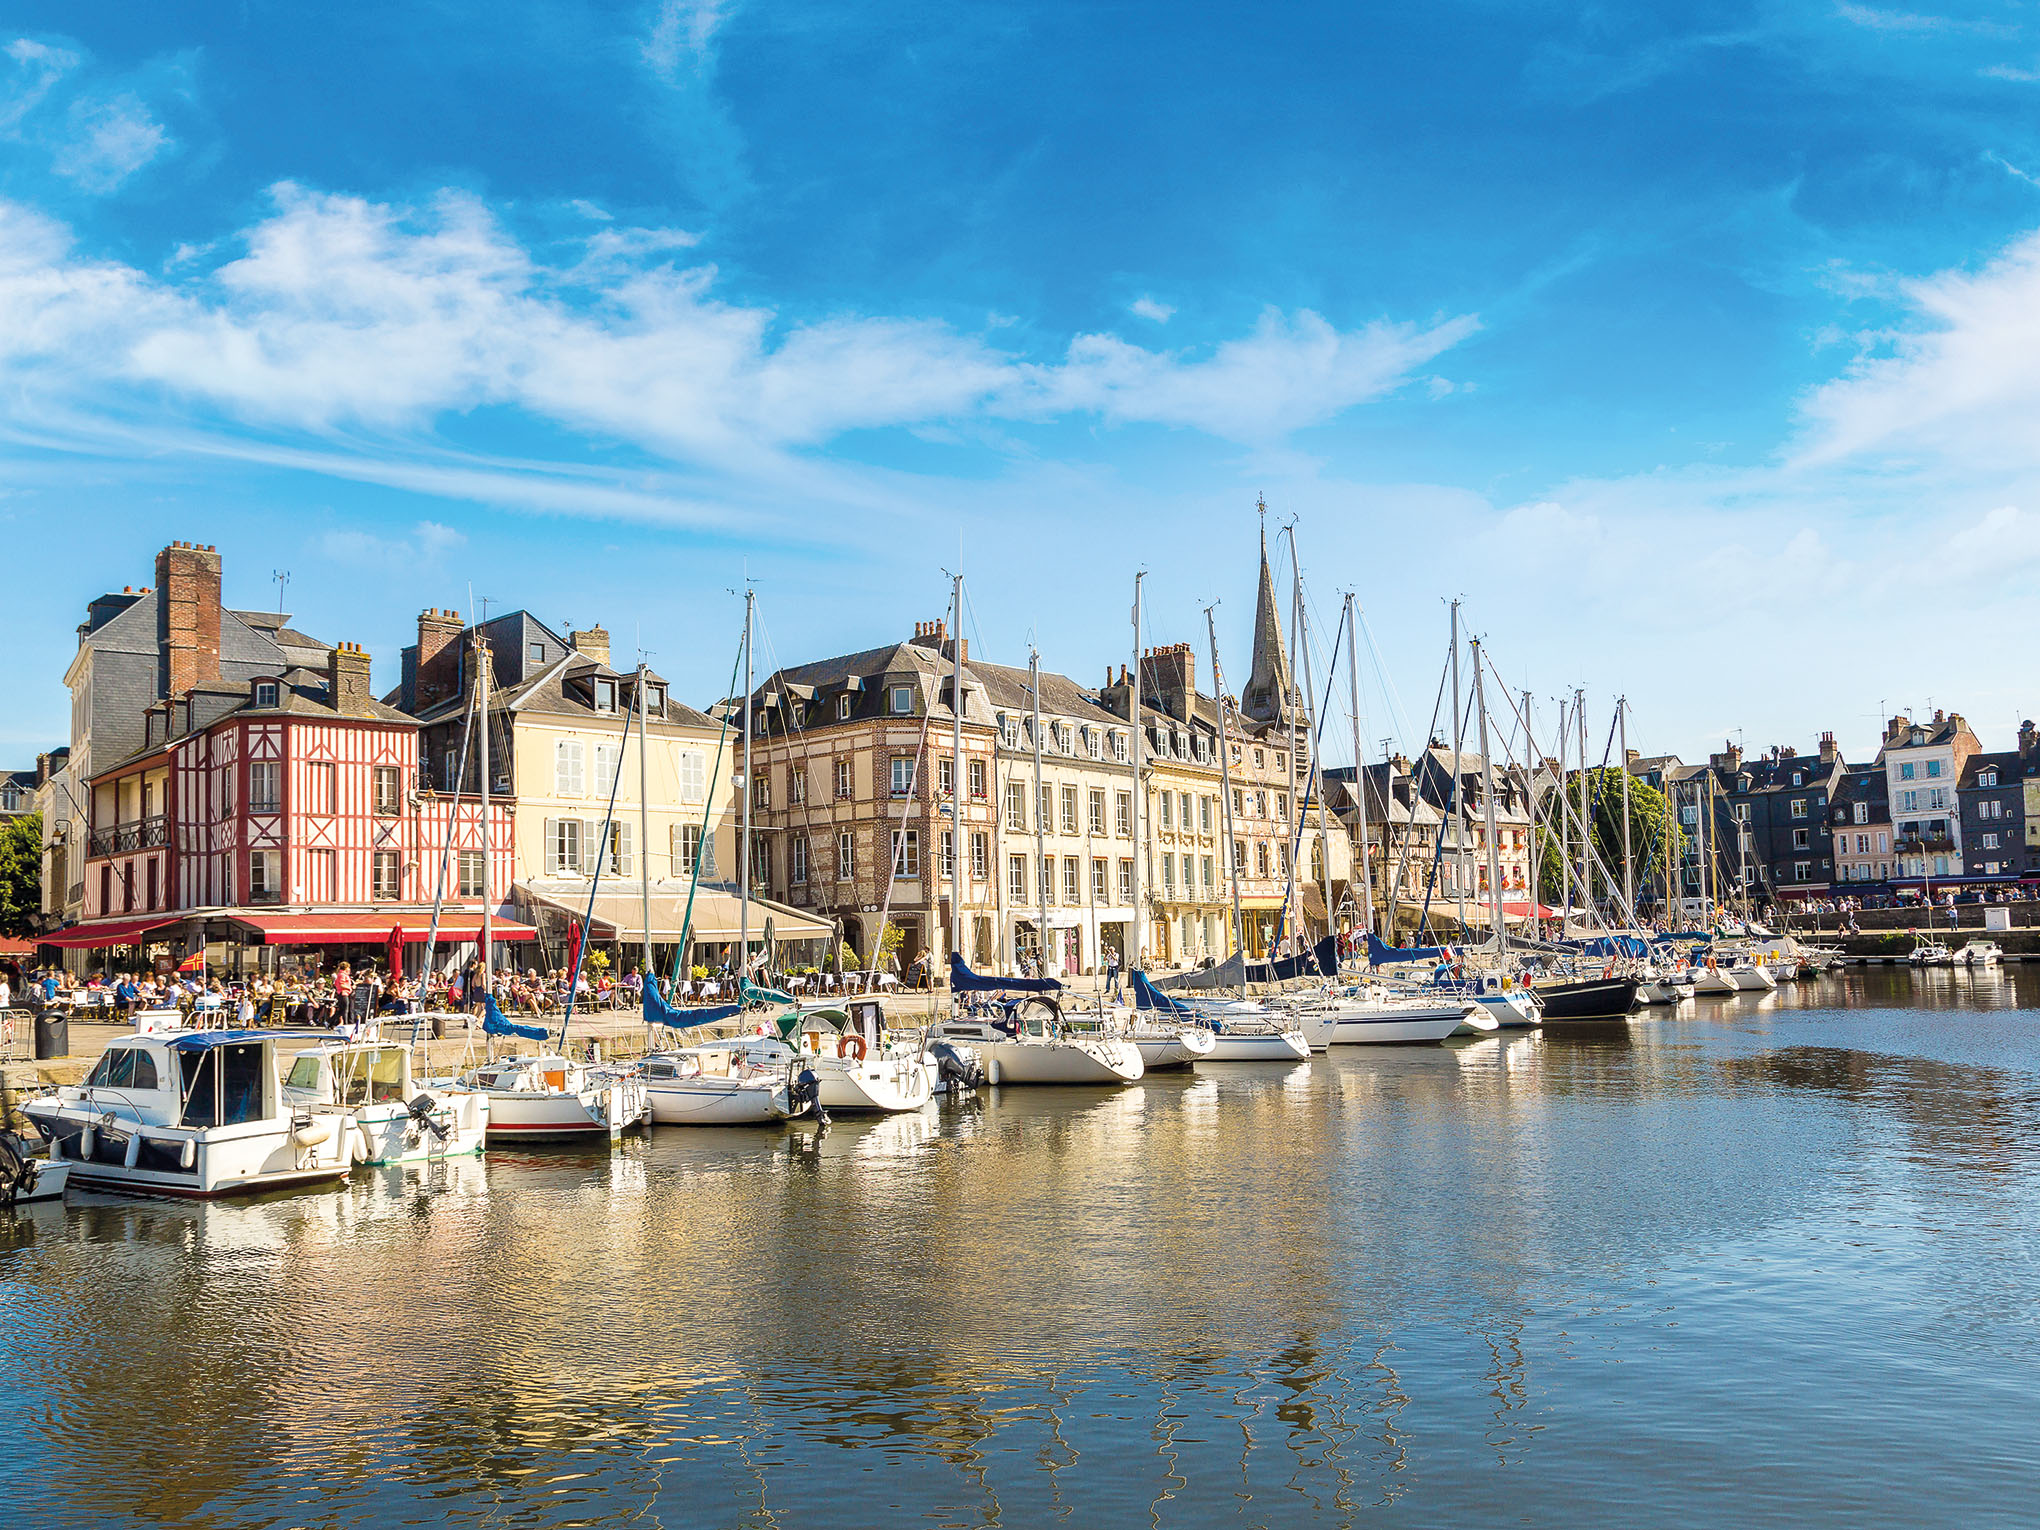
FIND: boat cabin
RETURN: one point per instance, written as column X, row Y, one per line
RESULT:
column 351, row 1076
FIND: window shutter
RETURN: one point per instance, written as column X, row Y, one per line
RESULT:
column 552, row 844
column 626, row 851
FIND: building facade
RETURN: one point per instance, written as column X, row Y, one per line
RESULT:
column 1991, row 794
column 1923, row 763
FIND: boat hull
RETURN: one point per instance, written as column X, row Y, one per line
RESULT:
column 1597, row 999
column 1105, row 1061
column 1259, row 1046
column 1385, row 1026
column 594, row 1114
column 1712, row 981
column 1181, row 1050
column 887, row 1084
column 389, row 1133
column 135, row 1158
column 718, row 1102
column 1751, row 980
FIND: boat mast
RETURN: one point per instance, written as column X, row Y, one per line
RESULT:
column 1530, row 798
column 1295, row 883
column 644, row 853
column 1225, row 786
column 488, row 835
column 1043, row 882
column 1133, row 717
column 1628, row 863
column 1487, row 767
column 1316, row 735
column 744, row 855
column 1360, row 766
column 1586, row 821
column 956, row 775
column 1563, row 798
column 1458, row 782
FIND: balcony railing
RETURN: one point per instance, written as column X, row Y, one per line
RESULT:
column 122, row 838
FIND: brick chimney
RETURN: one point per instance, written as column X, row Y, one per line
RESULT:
column 187, row 618
column 436, row 676
column 347, row 685
column 1828, row 752
column 931, row 634
column 1168, row 678
column 2029, row 738
column 592, row 642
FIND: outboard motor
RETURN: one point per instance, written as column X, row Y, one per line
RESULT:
column 806, row 1090
column 17, row 1169
column 422, row 1117
column 958, row 1071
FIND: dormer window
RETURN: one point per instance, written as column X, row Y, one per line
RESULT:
column 265, row 693
column 843, row 707
column 1119, row 747
column 605, row 695
column 902, row 700
column 1988, row 778
column 655, row 700
column 1796, row 778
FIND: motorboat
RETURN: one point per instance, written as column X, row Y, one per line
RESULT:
column 389, row 1118
column 1929, row 953
column 1980, row 953
column 1034, row 1046
column 544, row 1097
column 26, row 1178
column 856, row 1065
column 190, row 1113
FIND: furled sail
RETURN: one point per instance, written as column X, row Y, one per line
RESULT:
column 496, row 1023
column 963, row 980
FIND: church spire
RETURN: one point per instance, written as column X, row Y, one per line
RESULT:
column 1270, row 690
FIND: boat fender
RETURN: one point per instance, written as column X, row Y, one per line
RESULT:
column 86, row 1140
column 998, row 1073
column 188, row 1154
column 134, row 1151
column 849, row 1044
column 310, row 1133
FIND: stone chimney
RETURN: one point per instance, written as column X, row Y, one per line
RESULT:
column 187, row 618
column 436, row 676
column 1828, row 752
column 1168, row 679
column 2029, row 738
column 347, row 685
column 592, row 642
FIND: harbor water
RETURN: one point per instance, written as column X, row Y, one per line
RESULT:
column 1759, row 1261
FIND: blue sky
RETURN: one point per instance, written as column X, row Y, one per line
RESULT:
column 1696, row 347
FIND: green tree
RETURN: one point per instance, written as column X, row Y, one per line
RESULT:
column 1653, row 835
column 20, row 873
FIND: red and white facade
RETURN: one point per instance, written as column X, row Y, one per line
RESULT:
column 261, row 815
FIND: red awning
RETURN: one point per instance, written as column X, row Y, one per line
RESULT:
column 374, row 929
column 108, row 932
column 1527, row 910
column 12, row 947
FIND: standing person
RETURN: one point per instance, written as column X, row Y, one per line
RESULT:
column 1951, row 911
column 1112, row 973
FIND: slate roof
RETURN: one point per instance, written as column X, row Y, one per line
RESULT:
column 2008, row 765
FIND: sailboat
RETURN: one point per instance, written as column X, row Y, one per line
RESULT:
column 543, row 1096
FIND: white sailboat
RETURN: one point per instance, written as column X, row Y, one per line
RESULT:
column 547, row 1097
column 857, row 1065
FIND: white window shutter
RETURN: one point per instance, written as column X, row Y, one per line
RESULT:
column 552, row 845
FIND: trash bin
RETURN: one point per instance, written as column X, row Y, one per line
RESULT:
column 52, row 1034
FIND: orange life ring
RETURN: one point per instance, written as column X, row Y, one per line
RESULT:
column 853, row 1042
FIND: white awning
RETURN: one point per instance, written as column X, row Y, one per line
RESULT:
column 619, row 912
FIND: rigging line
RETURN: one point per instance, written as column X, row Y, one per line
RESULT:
column 1302, row 805
column 452, row 820
column 601, row 858
column 1389, row 692
column 1388, row 796
column 705, row 842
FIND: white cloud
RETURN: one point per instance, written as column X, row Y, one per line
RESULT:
column 109, row 141
column 1150, row 308
column 682, row 34
column 428, row 542
column 341, row 315
column 1960, row 381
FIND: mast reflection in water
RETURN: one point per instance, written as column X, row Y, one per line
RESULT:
column 1763, row 1261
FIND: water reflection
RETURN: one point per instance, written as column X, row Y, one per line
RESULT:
column 1454, row 1280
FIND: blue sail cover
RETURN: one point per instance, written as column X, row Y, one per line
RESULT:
column 963, row 980
column 659, row 1012
column 1146, row 996
column 1615, row 945
column 496, row 1023
column 1321, row 960
column 1379, row 955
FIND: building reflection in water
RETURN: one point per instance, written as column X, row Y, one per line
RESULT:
column 1277, row 1295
